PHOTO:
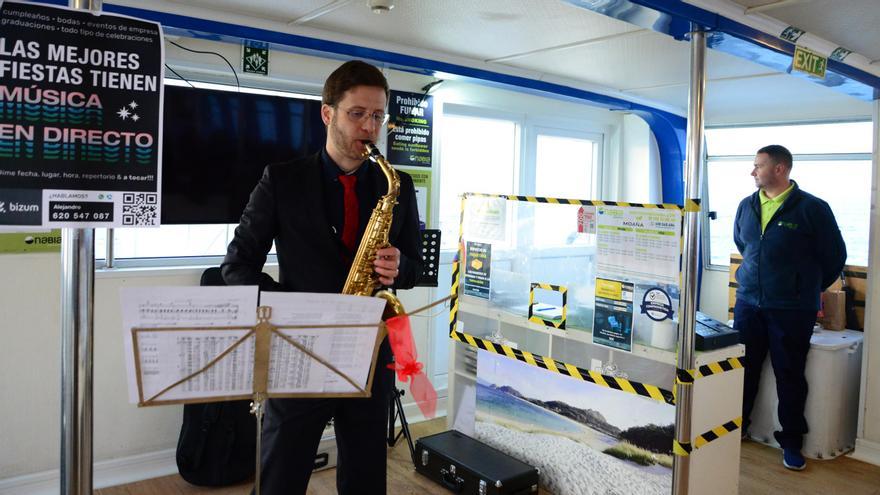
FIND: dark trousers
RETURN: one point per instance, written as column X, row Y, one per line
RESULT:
column 292, row 431
column 786, row 335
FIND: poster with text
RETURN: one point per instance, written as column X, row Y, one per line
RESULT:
column 655, row 315
column 613, row 316
column 485, row 218
column 478, row 261
column 80, row 118
column 411, row 123
column 638, row 243
column 422, row 183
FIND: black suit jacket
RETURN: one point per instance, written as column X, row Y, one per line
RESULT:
column 287, row 206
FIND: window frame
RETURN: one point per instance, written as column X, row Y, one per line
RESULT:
column 705, row 229
column 528, row 129
column 539, row 127
column 462, row 110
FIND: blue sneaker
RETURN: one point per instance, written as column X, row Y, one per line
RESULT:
column 792, row 459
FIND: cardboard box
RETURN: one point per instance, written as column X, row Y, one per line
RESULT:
column 832, row 315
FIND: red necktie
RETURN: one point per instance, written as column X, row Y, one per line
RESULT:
column 351, row 217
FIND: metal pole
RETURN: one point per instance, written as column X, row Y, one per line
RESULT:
column 109, row 257
column 684, row 399
column 77, row 324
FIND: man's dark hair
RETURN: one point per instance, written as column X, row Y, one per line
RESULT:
column 779, row 154
column 348, row 75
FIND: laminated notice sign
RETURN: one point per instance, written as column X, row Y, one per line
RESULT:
column 80, row 118
column 613, row 317
column 412, row 120
column 638, row 243
column 586, row 219
column 485, row 218
column 478, row 261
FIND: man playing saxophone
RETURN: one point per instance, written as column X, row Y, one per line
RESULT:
column 315, row 209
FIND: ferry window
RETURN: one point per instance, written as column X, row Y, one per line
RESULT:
column 477, row 154
column 565, row 167
column 568, row 156
column 172, row 240
column 166, row 245
column 831, row 161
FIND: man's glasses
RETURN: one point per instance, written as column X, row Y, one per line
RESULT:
column 358, row 115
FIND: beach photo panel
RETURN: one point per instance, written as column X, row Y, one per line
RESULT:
column 584, row 438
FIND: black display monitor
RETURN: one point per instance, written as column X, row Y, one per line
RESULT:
column 216, row 144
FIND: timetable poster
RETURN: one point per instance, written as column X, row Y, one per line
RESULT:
column 411, row 124
column 80, row 118
column 613, row 317
column 638, row 243
column 478, row 259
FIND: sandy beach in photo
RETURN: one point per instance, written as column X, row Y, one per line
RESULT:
column 570, row 468
column 582, row 434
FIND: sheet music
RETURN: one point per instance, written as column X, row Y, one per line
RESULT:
column 167, row 357
column 350, row 350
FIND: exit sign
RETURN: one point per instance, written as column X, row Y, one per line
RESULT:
column 809, row 61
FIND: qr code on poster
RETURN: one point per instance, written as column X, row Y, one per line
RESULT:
column 140, row 209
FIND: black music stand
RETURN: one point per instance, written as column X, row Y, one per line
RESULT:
column 431, row 258
column 395, row 410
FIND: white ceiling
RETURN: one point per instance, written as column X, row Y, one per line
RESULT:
column 849, row 23
column 552, row 38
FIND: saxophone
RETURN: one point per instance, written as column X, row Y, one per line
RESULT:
column 361, row 280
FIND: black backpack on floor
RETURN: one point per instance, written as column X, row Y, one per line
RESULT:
column 217, row 441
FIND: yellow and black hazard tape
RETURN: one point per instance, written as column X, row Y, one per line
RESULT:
column 685, row 449
column 568, row 201
column 643, row 389
column 560, row 324
column 687, row 377
column 681, row 449
column 456, row 267
column 453, row 292
column 692, row 205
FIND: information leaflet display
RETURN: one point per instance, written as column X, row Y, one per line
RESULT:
column 80, row 118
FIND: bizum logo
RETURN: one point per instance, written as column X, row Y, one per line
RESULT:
column 14, row 207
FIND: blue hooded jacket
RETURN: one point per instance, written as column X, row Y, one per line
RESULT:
column 799, row 255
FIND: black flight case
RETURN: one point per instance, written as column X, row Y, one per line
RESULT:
column 468, row 466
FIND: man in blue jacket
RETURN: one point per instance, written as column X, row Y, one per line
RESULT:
column 792, row 251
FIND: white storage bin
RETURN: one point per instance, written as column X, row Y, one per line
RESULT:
column 833, row 369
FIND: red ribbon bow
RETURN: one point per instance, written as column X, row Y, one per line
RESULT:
column 407, row 366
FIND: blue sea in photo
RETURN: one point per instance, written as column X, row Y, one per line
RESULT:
column 506, row 406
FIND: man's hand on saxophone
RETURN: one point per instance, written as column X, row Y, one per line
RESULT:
column 386, row 264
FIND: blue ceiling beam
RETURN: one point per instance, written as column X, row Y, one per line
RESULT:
column 668, row 128
column 674, row 18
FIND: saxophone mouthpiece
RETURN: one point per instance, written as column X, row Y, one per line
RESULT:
column 369, row 150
